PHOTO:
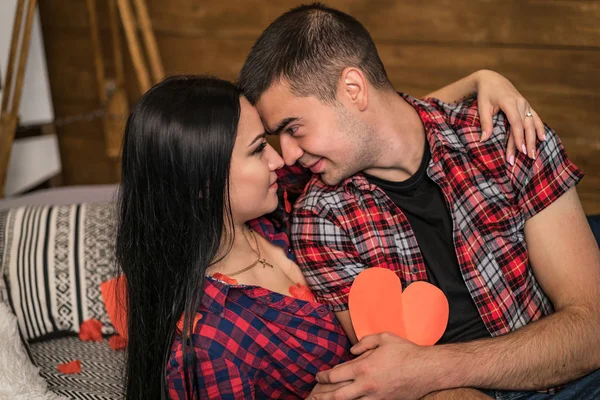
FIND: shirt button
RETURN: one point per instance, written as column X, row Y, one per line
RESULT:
column 321, row 311
column 289, row 249
column 415, row 270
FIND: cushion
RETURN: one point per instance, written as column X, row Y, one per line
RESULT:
column 54, row 259
column 101, row 375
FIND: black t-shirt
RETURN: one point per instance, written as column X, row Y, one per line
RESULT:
column 423, row 203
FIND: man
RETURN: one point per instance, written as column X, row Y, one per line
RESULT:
column 407, row 185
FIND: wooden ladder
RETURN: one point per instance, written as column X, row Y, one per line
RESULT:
column 13, row 88
column 114, row 101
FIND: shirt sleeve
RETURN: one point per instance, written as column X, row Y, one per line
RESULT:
column 328, row 257
column 217, row 377
column 542, row 181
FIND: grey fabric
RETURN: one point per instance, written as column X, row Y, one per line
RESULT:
column 63, row 195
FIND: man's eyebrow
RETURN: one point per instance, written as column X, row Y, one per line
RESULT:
column 282, row 124
column 257, row 138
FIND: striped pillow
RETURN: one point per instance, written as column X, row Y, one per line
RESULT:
column 54, row 259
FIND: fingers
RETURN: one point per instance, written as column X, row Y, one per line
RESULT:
column 367, row 343
column 530, row 135
column 540, row 129
column 485, row 118
column 515, row 119
column 347, row 392
column 511, row 150
column 326, row 388
column 343, row 372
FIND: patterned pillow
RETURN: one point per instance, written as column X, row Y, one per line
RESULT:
column 54, row 259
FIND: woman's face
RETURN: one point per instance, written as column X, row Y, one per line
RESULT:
column 252, row 179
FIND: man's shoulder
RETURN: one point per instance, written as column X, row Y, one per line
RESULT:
column 318, row 197
column 458, row 127
column 461, row 112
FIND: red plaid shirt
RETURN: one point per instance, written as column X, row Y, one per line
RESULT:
column 339, row 231
column 250, row 342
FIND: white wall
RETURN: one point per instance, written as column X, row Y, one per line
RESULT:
column 36, row 101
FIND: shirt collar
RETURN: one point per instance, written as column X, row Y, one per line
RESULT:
column 214, row 295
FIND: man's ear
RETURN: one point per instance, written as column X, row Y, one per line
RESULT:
column 353, row 87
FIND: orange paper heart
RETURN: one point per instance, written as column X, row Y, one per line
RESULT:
column 377, row 304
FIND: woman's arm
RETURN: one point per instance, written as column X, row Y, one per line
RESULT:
column 457, row 90
column 495, row 93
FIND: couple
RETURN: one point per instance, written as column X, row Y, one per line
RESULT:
column 222, row 305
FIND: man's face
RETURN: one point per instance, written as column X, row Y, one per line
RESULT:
column 328, row 139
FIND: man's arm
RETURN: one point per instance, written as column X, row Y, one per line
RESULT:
column 563, row 346
column 553, row 350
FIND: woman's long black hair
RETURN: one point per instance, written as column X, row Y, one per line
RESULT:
column 172, row 213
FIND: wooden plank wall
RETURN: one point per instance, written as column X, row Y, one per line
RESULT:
column 550, row 49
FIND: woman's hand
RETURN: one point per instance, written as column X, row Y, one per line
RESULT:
column 495, row 93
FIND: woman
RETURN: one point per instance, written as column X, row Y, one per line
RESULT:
column 217, row 306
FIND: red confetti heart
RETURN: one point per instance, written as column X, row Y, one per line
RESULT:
column 117, row 342
column 197, row 318
column 73, row 367
column 91, row 331
column 286, row 202
column 302, row 292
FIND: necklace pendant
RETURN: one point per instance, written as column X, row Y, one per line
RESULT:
column 265, row 263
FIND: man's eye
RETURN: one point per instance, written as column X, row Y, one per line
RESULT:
column 260, row 148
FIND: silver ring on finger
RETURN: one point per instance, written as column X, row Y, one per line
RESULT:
column 528, row 114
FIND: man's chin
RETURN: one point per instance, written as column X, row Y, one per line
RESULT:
column 330, row 180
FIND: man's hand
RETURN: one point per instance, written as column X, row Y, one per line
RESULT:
column 326, row 388
column 389, row 367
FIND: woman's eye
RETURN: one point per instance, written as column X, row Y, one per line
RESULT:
column 260, row 148
column 292, row 130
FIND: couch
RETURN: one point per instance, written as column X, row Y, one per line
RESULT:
column 56, row 247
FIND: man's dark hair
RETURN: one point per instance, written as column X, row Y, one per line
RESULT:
column 308, row 47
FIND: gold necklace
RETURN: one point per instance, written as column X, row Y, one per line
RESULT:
column 258, row 260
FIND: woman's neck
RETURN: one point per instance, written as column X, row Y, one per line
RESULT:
column 234, row 254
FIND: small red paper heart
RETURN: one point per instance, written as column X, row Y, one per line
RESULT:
column 90, row 330
column 117, row 342
column 73, row 367
column 377, row 304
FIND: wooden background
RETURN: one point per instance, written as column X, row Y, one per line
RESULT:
column 550, row 50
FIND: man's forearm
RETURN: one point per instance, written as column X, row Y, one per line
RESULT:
column 557, row 349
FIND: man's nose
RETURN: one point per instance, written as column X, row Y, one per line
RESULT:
column 275, row 160
column 290, row 149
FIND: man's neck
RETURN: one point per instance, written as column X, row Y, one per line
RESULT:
column 402, row 139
